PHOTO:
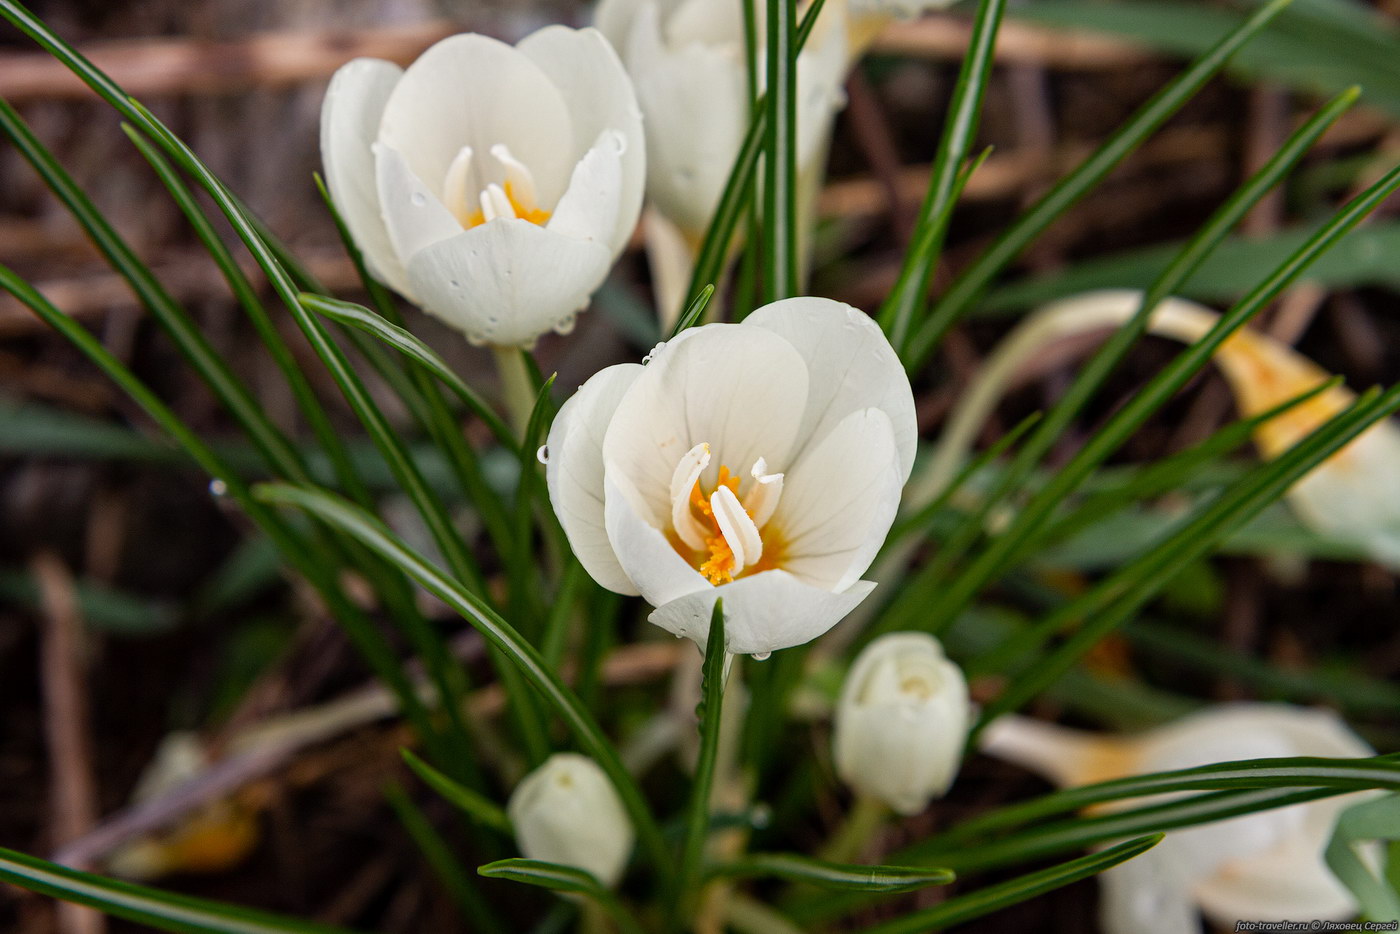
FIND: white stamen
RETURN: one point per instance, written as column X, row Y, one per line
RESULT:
column 737, row 528
column 762, row 498
column 687, row 472
column 454, row 186
column 494, row 203
column 520, row 179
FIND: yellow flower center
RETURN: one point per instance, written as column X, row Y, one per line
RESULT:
column 515, row 197
column 720, row 535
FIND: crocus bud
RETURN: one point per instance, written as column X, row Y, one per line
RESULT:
column 901, row 721
column 567, row 812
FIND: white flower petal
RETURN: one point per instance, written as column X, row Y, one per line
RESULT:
column 762, row 613
column 588, row 210
column 509, row 281
column 471, row 90
column 350, row 118
column 859, row 368
column 412, row 213
column 740, row 389
column 839, row 501
column 1142, row 896
column 600, row 98
column 1286, row 882
column 574, row 472
column 696, row 101
column 655, row 569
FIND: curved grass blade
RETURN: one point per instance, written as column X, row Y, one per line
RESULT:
column 734, row 201
column 710, row 713
column 401, row 340
column 1004, row 894
column 560, row 878
column 886, row 880
column 164, row 911
column 696, row 310
column 976, row 278
column 898, row 312
column 474, row 804
column 1378, row 819
column 498, row 632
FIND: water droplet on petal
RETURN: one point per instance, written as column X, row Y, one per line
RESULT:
column 218, row 488
column 565, row 325
column 418, row 199
column 762, row 656
column 652, row 353
column 476, row 340
column 542, row 455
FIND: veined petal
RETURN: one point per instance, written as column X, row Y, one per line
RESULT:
column 413, row 215
column 839, row 500
column 471, row 90
column 574, row 472
column 859, row 368
column 350, row 119
column 600, row 98
column 740, row 389
column 762, row 613
column 509, row 281
column 646, row 557
column 588, row 210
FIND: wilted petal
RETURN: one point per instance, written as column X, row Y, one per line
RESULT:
column 574, row 472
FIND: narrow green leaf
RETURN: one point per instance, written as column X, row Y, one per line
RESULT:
column 560, row 878
column 780, row 154
column 901, row 307
column 401, row 340
column 837, row 876
column 1004, row 894
column 499, row 633
column 1378, row 819
column 474, row 804
column 710, row 713
column 695, row 311
column 970, row 285
column 164, row 911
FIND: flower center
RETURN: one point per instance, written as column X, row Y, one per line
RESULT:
column 516, row 196
column 720, row 534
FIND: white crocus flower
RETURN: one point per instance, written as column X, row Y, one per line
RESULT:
column 901, row 722
column 566, row 811
column 1266, row 866
column 1353, row 496
column 760, row 462
column 493, row 186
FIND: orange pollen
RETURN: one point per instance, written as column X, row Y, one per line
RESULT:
column 534, row 215
column 719, row 568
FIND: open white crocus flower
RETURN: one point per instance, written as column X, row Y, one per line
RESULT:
column 1353, row 496
column 493, row 186
column 760, row 462
column 1266, row 866
column 567, row 811
column 901, row 722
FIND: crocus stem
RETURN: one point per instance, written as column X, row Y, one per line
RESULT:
column 863, row 821
column 516, row 386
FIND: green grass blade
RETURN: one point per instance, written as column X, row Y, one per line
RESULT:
column 780, row 154
column 974, row 281
column 695, row 311
column 1004, row 894
column 164, row 911
column 1378, row 819
column 899, row 312
column 499, row 633
column 472, row 803
column 401, row 340
column 710, row 714
column 886, row 880
column 737, row 196
column 560, row 878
